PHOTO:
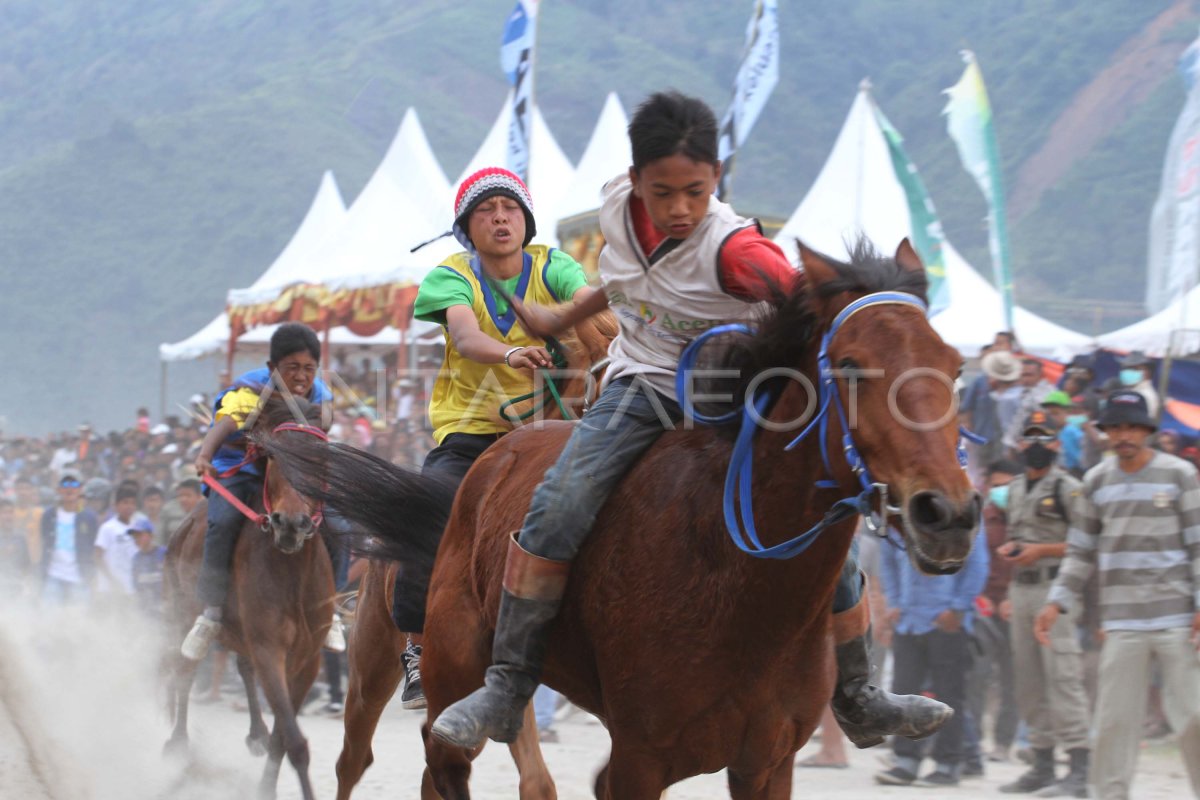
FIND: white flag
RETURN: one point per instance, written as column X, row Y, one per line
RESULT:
column 1174, row 257
column 516, row 58
column 756, row 78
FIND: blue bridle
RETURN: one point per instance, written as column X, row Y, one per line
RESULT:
column 738, row 503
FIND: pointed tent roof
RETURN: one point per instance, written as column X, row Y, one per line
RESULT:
column 1175, row 329
column 607, row 154
column 406, row 201
column 550, row 170
column 324, row 215
column 857, row 191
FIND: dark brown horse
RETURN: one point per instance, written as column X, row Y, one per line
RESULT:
column 695, row 656
column 375, row 644
column 279, row 607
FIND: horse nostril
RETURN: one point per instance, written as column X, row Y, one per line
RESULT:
column 930, row 511
column 276, row 519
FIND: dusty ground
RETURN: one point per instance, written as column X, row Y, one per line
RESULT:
column 81, row 719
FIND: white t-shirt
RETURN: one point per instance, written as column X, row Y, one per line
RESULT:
column 64, row 566
column 119, row 550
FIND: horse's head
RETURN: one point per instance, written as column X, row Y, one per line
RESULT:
column 291, row 518
column 895, row 384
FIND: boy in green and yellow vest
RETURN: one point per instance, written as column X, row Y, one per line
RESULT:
column 489, row 356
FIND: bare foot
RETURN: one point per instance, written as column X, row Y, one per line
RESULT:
column 821, row 759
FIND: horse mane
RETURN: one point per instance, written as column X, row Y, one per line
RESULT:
column 590, row 338
column 379, row 509
column 279, row 408
column 789, row 328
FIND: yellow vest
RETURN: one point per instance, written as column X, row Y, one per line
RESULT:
column 467, row 395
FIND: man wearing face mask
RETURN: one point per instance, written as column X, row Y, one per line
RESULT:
column 1136, row 374
column 1049, row 680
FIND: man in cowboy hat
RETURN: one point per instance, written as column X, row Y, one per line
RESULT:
column 987, row 408
column 1137, row 525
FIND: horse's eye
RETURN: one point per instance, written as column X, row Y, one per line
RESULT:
column 847, row 364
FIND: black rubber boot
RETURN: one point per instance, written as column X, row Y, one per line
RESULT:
column 1074, row 783
column 496, row 710
column 867, row 713
column 1039, row 776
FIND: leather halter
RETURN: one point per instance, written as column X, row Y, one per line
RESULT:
column 738, row 507
column 263, row 520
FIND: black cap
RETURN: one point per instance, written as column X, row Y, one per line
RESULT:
column 1082, row 362
column 1038, row 422
column 1125, row 407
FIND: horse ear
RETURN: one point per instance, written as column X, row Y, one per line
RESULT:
column 907, row 257
column 816, row 269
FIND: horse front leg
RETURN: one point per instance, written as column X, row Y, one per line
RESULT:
column 631, row 775
column 772, row 784
column 257, row 739
column 270, row 667
column 536, row 783
column 375, row 672
column 183, row 674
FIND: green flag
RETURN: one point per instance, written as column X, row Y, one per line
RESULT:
column 969, row 122
column 927, row 235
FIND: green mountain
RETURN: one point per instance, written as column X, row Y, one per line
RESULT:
column 154, row 155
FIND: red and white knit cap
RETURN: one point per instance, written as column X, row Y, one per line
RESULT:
column 485, row 183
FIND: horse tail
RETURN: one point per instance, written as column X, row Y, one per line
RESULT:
column 380, row 510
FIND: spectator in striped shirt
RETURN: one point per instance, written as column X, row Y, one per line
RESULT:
column 1139, row 527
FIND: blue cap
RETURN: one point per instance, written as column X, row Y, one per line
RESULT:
column 141, row 524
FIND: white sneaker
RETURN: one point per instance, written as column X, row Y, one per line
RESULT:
column 200, row 638
column 335, row 639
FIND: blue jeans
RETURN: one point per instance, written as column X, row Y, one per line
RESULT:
column 224, row 524
column 545, row 702
column 57, row 592
column 625, row 421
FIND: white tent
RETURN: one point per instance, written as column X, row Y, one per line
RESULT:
column 550, row 170
column 325, row 214
column 406, row 201
column 1175, row 329
column 607, row 155
column 857, row 192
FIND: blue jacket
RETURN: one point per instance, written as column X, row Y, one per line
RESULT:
column 921, row 598
column 230, row 453
column 86, row 528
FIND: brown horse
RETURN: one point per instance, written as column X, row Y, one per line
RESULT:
column 279, row 607
column 375, row 666
column 696, row 657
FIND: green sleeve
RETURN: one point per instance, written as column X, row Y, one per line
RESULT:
column 564, row 275
column 442, row 288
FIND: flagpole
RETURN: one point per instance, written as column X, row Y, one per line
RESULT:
column 537, row 17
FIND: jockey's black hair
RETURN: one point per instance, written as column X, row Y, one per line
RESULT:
column 293, row 337
column 670, row 123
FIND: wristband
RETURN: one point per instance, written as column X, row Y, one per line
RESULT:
column 509, row 353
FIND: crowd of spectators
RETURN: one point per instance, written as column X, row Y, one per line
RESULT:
column 971, row 639
column 128, row 489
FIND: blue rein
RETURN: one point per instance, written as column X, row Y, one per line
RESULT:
column 738, row 502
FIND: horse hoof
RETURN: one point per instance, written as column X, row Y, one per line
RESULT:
column 257, row 745
column 175, row 748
